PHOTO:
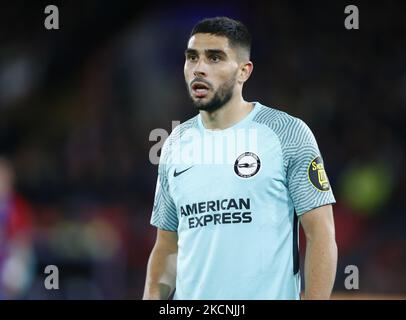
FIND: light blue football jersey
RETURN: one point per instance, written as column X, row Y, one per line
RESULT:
column 234, row 197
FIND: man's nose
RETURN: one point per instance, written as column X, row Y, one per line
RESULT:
column 200, row 69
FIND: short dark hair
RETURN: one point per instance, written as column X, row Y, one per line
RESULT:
column 235, row 31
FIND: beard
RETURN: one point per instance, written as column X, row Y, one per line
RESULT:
column 223, row 94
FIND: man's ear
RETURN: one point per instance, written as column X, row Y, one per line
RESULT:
column 245, row 71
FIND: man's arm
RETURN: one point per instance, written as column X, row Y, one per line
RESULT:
column 321, row 252
column 161, row 270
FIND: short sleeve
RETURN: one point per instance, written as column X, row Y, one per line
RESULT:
column 164, row 215
column 307, row 179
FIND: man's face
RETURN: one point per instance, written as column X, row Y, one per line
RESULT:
column 211, row 68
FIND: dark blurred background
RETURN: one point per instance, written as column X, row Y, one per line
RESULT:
column 77, row 106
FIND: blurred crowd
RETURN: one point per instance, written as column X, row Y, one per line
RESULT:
column 77, row 106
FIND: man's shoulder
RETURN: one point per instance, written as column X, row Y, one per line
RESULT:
column 190, row 123
column 279, row 121
column 180, row 129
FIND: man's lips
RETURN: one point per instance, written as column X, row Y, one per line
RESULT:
column 200, row 89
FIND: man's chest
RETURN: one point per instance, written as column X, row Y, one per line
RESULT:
column 238, row 173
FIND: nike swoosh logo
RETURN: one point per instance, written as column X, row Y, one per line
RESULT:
column 175, row 174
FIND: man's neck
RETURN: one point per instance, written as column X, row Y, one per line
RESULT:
column 228, row 115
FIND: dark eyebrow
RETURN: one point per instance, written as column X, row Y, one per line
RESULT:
column 215, row 51
column 190, row 51
column 207, row 52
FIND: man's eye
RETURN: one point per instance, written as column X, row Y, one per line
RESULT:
column 192, row 57
column 215, row 58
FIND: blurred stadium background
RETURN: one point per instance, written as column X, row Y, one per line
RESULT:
column 77, row 106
